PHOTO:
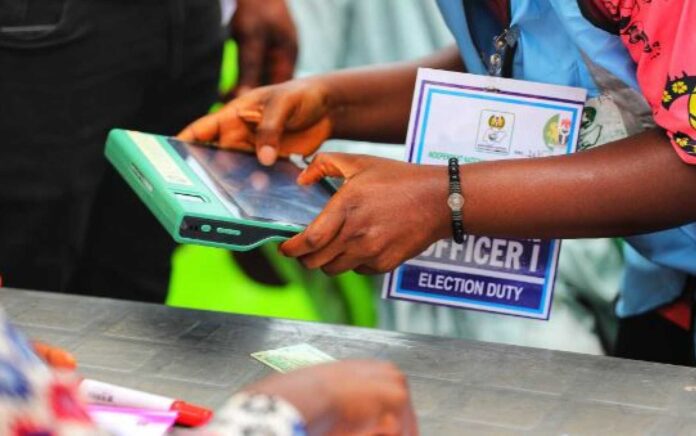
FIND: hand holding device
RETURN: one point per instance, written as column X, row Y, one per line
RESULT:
column 386, row 212
column 206, row 195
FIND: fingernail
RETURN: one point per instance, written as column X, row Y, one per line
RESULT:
column 267, row 155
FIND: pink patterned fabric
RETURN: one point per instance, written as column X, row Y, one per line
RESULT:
column 33, row 399
column 37, row 401
column 660, row 38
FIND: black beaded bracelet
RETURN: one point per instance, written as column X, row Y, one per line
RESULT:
column 455, row 201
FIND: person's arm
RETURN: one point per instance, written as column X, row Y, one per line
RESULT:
column 390, row 211
column 370, row 104
column 267, row 43
column 374, row 104
column 635, row 185
column 339, row 398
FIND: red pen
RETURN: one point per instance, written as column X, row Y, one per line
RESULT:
column 98, row 392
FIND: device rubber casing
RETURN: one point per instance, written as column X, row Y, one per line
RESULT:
column 145, row 169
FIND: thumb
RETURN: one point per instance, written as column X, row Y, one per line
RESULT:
column 330, row 165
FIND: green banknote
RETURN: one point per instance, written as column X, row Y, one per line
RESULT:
column 288, row 359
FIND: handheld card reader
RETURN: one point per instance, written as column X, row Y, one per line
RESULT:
column 210, row 196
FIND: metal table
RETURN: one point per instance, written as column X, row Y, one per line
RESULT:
column 459, row 386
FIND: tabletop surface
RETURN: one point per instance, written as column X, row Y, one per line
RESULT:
column 458, row 386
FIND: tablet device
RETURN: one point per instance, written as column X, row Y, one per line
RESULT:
column 210, row 196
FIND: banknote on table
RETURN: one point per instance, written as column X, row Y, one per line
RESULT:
column 294, row 357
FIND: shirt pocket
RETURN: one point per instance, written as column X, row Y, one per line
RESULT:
column 27, row 24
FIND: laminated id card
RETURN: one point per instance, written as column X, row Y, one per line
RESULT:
column 476, row 119
column 210, row 196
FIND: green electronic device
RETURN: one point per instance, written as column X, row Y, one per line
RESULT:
column 210, row 196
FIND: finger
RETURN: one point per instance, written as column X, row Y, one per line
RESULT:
column 252, row 116
column 324, row 256
column 236, row 132
column 281, row 63
column 55, row 357
column 343, row 263
column 252, row 52
column 283, row 55
column 404, row 404
column 329, row 165
column 271, row 128
column 410, row 421
column 395, row 401
column 238, row 145
column 366, row 271
column 205, row 129
column 324, row 229
column 237, row 136
column 389, row 424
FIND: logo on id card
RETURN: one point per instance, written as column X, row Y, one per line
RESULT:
column 495, row 132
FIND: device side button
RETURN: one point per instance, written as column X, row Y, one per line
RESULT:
column 229, row 232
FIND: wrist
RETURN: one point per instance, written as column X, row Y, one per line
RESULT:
column 337, row 103
column 322, row 91
column 306, row 395
column 455, row 200
column 438, row 195
column 245, row 412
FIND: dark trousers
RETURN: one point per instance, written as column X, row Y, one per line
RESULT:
column 70, row 70
column 652, row 338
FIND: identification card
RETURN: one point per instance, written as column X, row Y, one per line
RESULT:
column 293, row 357
column 479, row 118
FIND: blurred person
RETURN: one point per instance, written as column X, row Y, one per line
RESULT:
column 72, row 70
column 127, row 254
column 342, row 398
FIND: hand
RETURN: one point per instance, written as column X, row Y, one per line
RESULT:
column 267, row 39
column 54, row 356
column 347, row 398
column 275, row 120
column 385, row 213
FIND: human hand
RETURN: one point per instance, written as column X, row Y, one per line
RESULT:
column 54, row 356
column 347, row 398
column 291, row 118
column 267, row 40
column 386, row 212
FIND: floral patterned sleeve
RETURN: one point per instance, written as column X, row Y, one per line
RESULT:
column 661, row 38
column 34, row 400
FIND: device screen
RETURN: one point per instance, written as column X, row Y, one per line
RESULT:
column 265, row 193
